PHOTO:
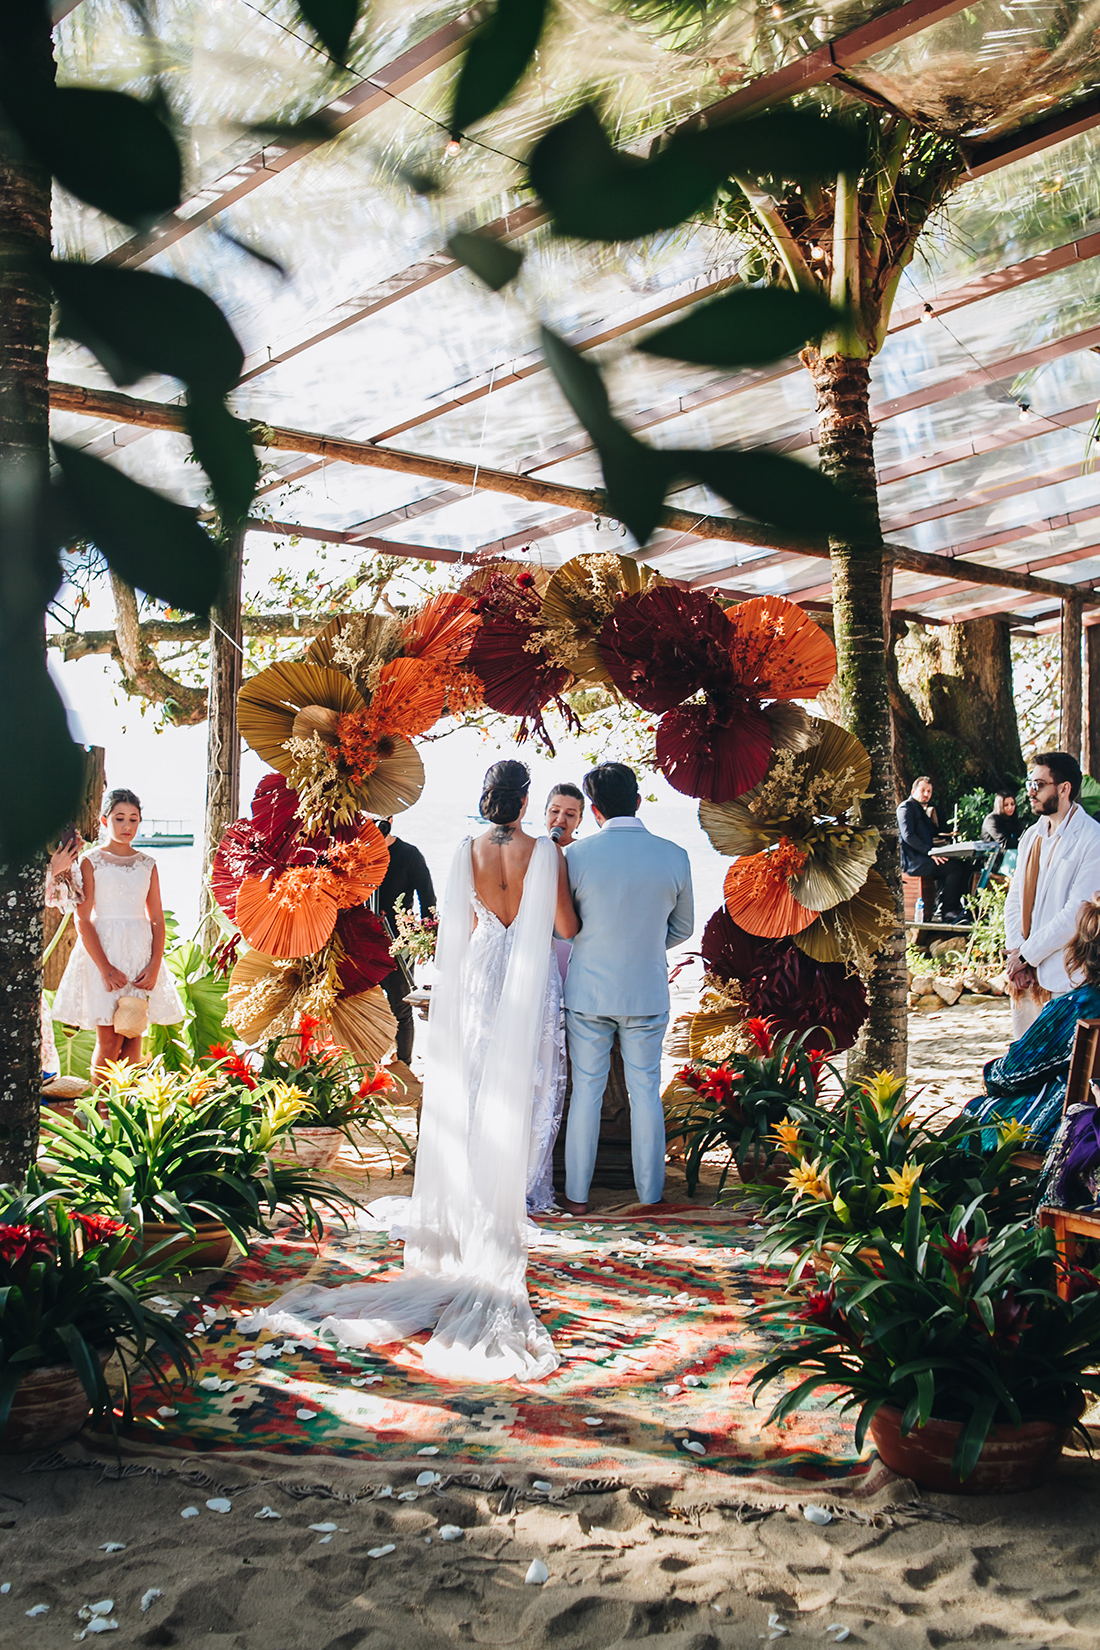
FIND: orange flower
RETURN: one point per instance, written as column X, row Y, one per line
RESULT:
column 357, row 746
column 408, row 700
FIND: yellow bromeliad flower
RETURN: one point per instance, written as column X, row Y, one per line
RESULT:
column 899, row 1185
column 808, row 1179
column 283, row 1106
column 785, row 1135
column 882, row 1090
column 1011, row 1131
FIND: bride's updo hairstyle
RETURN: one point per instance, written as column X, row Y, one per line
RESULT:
column 503, row 790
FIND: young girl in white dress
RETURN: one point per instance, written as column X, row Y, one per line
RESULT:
column 120, row 924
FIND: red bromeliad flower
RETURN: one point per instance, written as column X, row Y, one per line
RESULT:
column 760, row 1031
column 234, row 1064
column 307, row 1025
column 961, row 1254
column 21, row 1246
column 822, row 1312
column 718, row 1086
column 100, row 1229
column 1010, row 1319
column 379, row 1082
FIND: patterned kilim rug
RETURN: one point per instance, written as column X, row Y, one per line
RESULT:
column 648, row 1314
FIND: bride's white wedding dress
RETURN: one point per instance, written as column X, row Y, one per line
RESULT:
column 493, row 1092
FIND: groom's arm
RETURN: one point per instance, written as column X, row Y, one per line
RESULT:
column 682, row 917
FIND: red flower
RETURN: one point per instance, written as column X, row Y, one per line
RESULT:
column 21, row 1246
column 379, row 1082
column 526, row 581
column 235, row 1065
column 99, row 1229
column 822, row 1312
column 761, row 1033
column 307, row 1025
column 1009, row 1319
column 961, row 1254
column 224, row 957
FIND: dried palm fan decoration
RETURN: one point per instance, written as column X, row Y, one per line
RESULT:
column 362, row 948
column 854, row 930
column 271, row 704
column 661, row 646
column 441, row 632
column 578, row 601
column 780, row 983
column 260, row 846
column 269, row 995
column 777, row 650
column 407, row 701
column 516, row 673
column 364, row 1025
column 758, row 892
column 294, row 913
column 358, row 644
column 715, row 749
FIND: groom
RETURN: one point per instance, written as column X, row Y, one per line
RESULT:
column 633, row 895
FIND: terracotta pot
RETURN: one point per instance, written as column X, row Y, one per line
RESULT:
column 49, row 1406
column 315, row 1148
column 1012, row 1458
column 216, row 1244
column 765, row 1168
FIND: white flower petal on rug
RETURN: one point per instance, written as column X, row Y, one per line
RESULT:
column 691, row 1380
column 5, row 1586
column 166, row 1410
column 426, row 1478
column 325, row 1529
column 102, row 1607
column 816, row 1515
column 357, row 1382
column 841, row 1632
column 672, row 1391
column 37, row 1610
column 537, row 1573
column 307, row 1414
column 409, row 1495
column 148, row 1599
column 431, row 1449
column 112, row 1546
column 695, row 1447
column 99, row 1624
column 323, row 1540
column 267, row 1512
column 381, row 1552
column 189, row 1512
column 450, row 1532
column 543, row 1485
column 593, row 1421
column 219, row 1503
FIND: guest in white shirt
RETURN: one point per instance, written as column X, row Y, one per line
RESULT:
column 1057, row 868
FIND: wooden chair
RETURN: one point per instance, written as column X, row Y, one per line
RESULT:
column 1071, row 1224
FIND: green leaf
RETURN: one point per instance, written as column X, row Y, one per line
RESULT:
column 137, row 323
column 149, row 540
column 321, row 127
column 224, row 447
column 108, row 149
column 745, row 328
column 39, row 761
column 635, row 476
column 491, row 261
column 774, row 489
column 332, row 21
column 972, row 1437
column 597, row 193
column 496, row 60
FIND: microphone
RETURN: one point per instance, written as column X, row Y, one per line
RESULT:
column 557, row 833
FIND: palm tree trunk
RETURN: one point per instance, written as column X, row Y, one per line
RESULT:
column 24, row 468
column 861, row 576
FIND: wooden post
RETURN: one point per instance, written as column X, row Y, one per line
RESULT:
column 223, row 762
column 1092, row 732
column 1069, row 737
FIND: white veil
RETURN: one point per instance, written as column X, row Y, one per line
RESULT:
column 465, row 1267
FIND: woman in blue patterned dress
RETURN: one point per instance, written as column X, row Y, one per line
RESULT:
column 1028, row 1084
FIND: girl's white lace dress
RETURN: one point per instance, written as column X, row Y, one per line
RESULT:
column 492, row 1101
column 126, row 935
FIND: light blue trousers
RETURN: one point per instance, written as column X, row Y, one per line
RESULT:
column 590, row 1039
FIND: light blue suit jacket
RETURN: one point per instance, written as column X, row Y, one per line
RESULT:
column 633, row 895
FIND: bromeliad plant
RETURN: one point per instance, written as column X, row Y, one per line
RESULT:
column 72, row 1291
column 182, row 1146
column 960, row 1323
column 337, row 1091
column 736, row 1105
column 853, row 1167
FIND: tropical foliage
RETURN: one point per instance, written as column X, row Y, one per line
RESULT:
column 338, row 1092
column 960, row 1322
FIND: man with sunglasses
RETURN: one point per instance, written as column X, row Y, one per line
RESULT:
column 1057, row 868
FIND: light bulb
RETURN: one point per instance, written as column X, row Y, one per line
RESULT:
column 452, row 149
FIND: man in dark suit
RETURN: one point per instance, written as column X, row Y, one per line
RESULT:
column 407, row 874
column 917, row 825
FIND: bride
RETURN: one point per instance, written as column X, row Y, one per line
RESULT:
column 493, row 1092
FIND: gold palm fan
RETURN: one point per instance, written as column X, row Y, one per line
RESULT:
column 577, row 602
column 826, row 777
column 311, row 696
column 260, row 987
column 705, row 1027
column 837, row 868
column 367, row 639
column 792, row 728
column 364, row 1025
column 734, row 830
column 396, row 782
column 862, row 923
column 281, row 924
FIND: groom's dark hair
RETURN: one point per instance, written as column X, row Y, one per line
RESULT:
column 613, row 789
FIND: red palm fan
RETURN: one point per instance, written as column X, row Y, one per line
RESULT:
column 366, row 956
column 515, row 682
column 758, row 895
column 717, row 761
column 441, row 632
column 777, row 985
column 663, row 645
column 777, row 651
column 258, row 846
column 728, row 951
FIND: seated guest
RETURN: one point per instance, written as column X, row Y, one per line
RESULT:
column 1004, row 825
column 1028, row 1084
column 917, row 826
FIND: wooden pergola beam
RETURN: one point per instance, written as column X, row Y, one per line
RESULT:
column 78, row 644
column 77, row 398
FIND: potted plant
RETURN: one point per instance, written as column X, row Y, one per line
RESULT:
column 338, row 1093
column 187, row 1155
column 955, row 1349
column 73, row 1295
column 734, row 1105
column 852, row 1166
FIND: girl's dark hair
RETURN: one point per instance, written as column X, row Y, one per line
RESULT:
column 113, row 798
column 1082, row 954
column 503, row 790
column 566, row 788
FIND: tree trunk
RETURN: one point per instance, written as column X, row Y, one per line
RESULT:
column 1069, row 736
column 860, row 572
column 223, row 762
column 24, row 468
column 954, row 708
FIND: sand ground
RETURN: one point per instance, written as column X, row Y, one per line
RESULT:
column 623, row 1564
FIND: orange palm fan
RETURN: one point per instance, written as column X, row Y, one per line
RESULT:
column 442, row 631
column 292, row 917
column 408, row 700
column 778, row 651
column 758, row 894
column 357, row 866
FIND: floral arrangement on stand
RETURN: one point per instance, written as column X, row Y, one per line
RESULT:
column 416, row 936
